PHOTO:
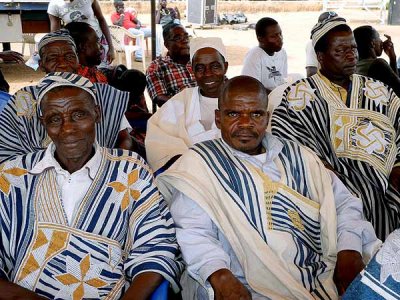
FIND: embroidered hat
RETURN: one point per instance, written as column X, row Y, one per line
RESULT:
column 322, row 28
column 57, row 79
column 210, row 42
column 59, row 35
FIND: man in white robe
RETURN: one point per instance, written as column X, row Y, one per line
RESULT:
column 261, row 217
column 188, row 117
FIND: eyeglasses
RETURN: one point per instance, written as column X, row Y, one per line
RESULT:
column 180, row 38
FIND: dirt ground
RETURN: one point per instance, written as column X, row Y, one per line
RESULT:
column 296, row 27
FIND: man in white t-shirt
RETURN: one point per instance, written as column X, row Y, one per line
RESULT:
column 312, row 64
column 267, row 62
column 189, row 116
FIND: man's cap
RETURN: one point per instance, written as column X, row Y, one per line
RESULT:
column 56, row 36
column 58, row 79
column 209, row 42
column 322, row 28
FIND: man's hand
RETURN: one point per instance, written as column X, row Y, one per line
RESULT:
column 226, row 286
column 388, row 47
column 394, row 178
column 12, row 56
column 110, row 54
column 348, row 265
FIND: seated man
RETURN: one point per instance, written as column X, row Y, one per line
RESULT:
column 370, row 48
column 167, row 15
column 350, row 121
column 260, row 217
column 188, row 117
column 312, row 64
column 129, row 21
column 267, row 62
column 380, row 279
column 22, row 131
column 88, row 51
column 83, row 231
column 167, row 76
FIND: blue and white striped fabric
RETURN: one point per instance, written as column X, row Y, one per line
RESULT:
column 120, row 229
column 238, row 182
column 360, row 139
column 21, row 131
column 381, row 278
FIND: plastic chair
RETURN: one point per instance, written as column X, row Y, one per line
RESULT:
column 161, row 293
column 118, row 38
column 4, row 97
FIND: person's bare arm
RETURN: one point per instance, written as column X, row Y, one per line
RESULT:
column 12, row 56
column 143, row 286
column 124, row 140
column 394, row 178
column 389, row 50
column 119, row 21
column 161, row 99
column 55, row 23
column 227, row 287
column 177, row 13
column 348, row 265
column 158, row 16
column 104, row 28
column 12, row 291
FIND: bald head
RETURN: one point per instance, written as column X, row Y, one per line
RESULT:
column 242, row 114
column 243, row 85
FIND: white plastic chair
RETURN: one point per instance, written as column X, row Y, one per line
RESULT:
column 118, row 38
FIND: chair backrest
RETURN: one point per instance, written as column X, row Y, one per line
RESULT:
column 4, row 97
column 118, row 35
column 161, row 293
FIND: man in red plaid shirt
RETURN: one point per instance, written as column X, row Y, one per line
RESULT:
column 167, row 76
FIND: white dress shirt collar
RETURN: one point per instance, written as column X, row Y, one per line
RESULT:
column 49, row 161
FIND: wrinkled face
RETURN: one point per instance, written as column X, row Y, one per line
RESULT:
column 377, row 43
column 178, row 42
column 91, row 50
column 340, row 59
column 119, row 7
column 69, row 116
column 209, row 69
column 59, row 56
column 272, row 41
column 243, row 119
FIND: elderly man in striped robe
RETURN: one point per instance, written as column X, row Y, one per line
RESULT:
column 261, row 217
column 79, row 221
column 350, row 121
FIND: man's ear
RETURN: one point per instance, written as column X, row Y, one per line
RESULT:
column 41, row 68
column 218, row 118
column 226, row 66
column 98, row 114
column 320, row 57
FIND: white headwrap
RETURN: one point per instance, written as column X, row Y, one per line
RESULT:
column 57, row 79
column 322, row 28
column 210, row 42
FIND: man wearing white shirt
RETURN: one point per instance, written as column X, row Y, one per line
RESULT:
column 79, row 221
column 267, row 62
column 260, row 217
column 188, row 117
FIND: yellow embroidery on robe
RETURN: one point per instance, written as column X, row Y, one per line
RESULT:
column 4, row 182
column 119, row 187
column 296, row 219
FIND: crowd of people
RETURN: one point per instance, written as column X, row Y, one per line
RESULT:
column 217, row 193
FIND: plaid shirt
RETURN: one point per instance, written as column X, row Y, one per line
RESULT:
column 166, row 77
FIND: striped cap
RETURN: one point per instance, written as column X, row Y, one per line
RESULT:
column 57, row 79
column 59, row 35
column 322, row 28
